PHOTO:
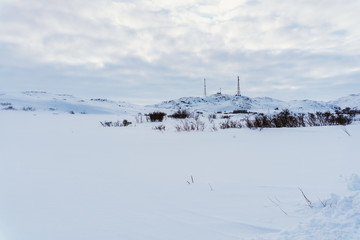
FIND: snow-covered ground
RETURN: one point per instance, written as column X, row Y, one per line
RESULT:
column 67, row 177
column 64, row 176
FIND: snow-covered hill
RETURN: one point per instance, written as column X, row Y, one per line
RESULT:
column 351, row 101
column 60, row 103
column 57, row 103
column 228, row 103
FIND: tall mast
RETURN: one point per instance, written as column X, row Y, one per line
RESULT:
column 238, row 87
column 204, row 87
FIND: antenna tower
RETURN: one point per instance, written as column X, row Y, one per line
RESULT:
column 204, row 87
column 238, row 88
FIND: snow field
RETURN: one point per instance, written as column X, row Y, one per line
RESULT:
column 67, row 177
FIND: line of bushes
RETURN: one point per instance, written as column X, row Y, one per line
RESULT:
column 289, row 119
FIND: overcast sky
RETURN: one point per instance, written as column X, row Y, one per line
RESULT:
column 151, row 50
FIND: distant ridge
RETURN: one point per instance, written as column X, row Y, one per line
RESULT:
column 227, row 103
column 40, row 101
column 351, row 101
column 65, row 103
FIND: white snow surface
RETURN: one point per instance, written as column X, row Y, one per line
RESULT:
column 64, row 176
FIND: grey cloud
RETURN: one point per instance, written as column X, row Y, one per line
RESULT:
column 279, row 49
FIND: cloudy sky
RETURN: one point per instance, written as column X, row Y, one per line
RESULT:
column 150, row 50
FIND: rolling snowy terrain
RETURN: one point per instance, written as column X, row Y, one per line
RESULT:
column 65, row 176
column 57, row 103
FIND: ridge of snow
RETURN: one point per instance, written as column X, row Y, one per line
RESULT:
column 56, row 103
column 224, row 103
column 339, row 219
column 351, row 101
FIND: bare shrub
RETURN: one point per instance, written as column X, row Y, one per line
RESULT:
column 139, row 118
column 263, row 121
column 5, row 104
column 249, row 123
column 311, row 120
column 239, row 111
column 159, row 127
column 230, row 124
column 124, row 123
column 343, row 119
column 211, row 117
column 9, row 108
column 213, row 127
column 180, row 114
column 308, row 202
column 191, row 181
column 156, row 116
column 278, row 205
column 188, row 125
column 346, row 131
column 28, row 109
column 285, row 118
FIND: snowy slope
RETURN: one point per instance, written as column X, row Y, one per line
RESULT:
column 351, row 101
column 228, row 103
column 57, row 103
column 67, row 177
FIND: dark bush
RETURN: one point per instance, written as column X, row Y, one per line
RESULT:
column 342, row 119
column 9, row 108
column 188, row 125
column 249, row 123
column 28, row 109
column 180, row 114
column 212, row 116
column 5, row 104
column 230, row 124
column 285, row 118
column 126, row 123
column 156, row 116
column 311, row 120
column 263, row 121
column 349, row 111
column 239, row 111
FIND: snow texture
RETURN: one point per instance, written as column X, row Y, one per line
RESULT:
column 64, row 176
column 338, row 219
